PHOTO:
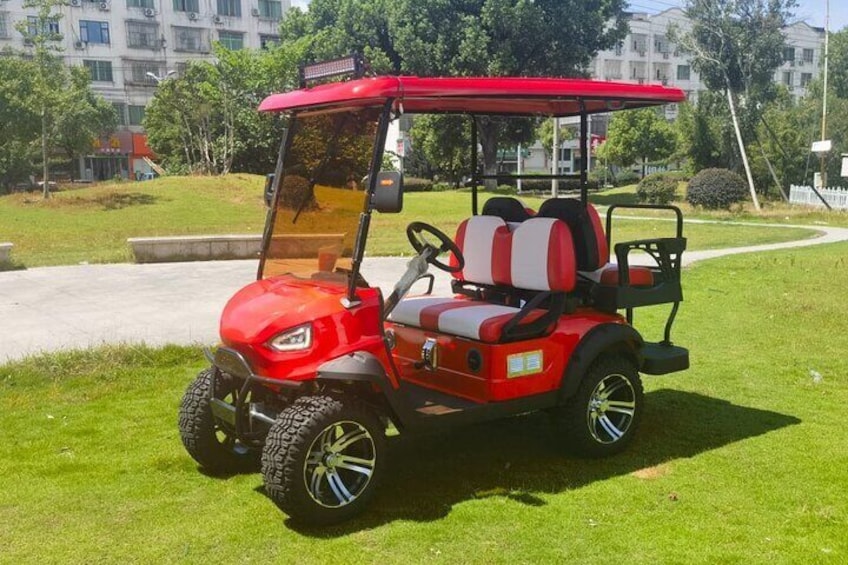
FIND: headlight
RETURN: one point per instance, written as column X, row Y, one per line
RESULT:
column 293, row 340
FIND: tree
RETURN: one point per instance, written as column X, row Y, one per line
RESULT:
column 19, row 118
column 444, row 140
column 206, row 121
column 736, row 45
column 463, row 38
column 704, row 133
column 639, row 135
column 545, row 135
column 43, row 35
column 85, row 115
column 838, row 62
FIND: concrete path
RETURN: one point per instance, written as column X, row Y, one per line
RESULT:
column 52, row 308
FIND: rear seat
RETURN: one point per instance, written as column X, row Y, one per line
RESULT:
column 591, row 250
column 538, row 256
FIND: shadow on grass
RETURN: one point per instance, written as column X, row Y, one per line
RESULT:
column 518, row 458
column 11, row 266
column 121, row 200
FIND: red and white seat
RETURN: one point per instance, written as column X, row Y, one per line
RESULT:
column 591, row 250
column 537, row 256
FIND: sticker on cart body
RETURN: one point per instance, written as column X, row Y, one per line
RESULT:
column 524, row 364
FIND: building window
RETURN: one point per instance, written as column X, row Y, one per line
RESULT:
column 229, row 8
column 619, row 48
column 137, row 73
column 136, row 115
column 143, row 35
column 4, row 26
column 140, row 4
column 189, row 39
column 101, row 71
column 661, row 44
column 788, row 54
column 683, row 72
column 121, row 112
column 94, row 32
column 640, row 43
column 186, row 5
column 807, row 55
column 266, row 41
column 232, row 40
column 49, row 27
column 787, row 78
column 806, row 78
column 271, row 9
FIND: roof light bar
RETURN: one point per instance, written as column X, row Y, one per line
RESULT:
column 353, row 65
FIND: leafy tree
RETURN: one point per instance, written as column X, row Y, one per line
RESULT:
column 736, row 45
column 639, row 135
column 85, row 115
column 48, row 67
column 838, row 62
column 704, row 134
column 444, row 140
column 545, row 135
column 19, row 118
column 206, row 120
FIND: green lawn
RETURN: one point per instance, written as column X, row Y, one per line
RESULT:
column 92, row 224
column 741, row 459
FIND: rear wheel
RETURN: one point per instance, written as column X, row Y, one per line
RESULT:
column 323, row 459
column 210, row 441
column 602, row 417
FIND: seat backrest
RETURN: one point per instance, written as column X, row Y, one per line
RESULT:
column 590, row 243
column 537, row 255
column 511, row 210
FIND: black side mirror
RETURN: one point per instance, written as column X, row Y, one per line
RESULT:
column 388, row 194
column 269, row 189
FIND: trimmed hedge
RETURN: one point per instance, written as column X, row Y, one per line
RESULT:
column 659, row 188
column 416, row 184
column 716, row 189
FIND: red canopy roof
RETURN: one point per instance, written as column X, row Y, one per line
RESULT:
column 483, row 95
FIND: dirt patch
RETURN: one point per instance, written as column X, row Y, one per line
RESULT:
column 650, row 473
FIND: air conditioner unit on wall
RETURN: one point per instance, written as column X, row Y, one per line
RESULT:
column 192, row 16
column 104, row 6
column 255, row 12
column 79, row 44
column 76, row 3
column 149, row 12
column 216, row 19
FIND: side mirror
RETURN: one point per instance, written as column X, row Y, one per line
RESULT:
column 269, row 189
column 388, row 194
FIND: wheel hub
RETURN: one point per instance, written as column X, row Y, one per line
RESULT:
column 611, row 408
column 339, row 464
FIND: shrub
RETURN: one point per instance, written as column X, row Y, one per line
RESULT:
column 623, row 178
column 416, row 184
column 658, row 188
column 716, row 189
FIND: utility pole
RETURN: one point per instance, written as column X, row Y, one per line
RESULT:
column 519, row 167
column 824, row 97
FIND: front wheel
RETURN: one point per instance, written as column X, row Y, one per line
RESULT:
column 602, row 417
column 210, row 441
column 323, row 459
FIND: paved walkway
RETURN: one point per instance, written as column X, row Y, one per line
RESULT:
column 51, row 308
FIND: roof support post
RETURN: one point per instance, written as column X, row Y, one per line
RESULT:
column 584, row 153
column 474, row 179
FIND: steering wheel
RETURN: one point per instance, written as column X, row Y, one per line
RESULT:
column 415, row 231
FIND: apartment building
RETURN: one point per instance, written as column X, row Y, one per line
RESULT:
column 129, row 45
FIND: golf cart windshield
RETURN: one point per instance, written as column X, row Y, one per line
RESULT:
column 321, row 195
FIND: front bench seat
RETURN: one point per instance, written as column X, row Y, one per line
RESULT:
column 537, row 256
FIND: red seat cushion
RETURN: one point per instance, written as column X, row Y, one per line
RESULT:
column 461, row 317
column 639, row 276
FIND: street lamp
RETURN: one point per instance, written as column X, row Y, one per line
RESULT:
column 159, row 79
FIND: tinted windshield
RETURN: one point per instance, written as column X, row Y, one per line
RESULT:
column 321, row 195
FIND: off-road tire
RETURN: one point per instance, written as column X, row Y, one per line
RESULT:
column 284, row 458
column 200, row 433
column 574, row 419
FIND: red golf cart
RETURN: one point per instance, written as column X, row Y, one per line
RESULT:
column 316, row 365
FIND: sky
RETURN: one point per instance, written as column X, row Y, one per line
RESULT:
column 810, row 11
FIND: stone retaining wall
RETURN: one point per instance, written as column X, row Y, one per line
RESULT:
column 5, row 253
column 194, row 248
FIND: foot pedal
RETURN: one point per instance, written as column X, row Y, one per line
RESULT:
column 661, row 359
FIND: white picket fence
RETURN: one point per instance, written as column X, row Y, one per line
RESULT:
column 836, row 197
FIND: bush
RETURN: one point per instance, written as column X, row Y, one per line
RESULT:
column 716, row 189
column 415, row 184
column 623, row 178
column 659, row 188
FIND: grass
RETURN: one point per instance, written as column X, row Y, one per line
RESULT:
column 92, row 224
column 741, row 459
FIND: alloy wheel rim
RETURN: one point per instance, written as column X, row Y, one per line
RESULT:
column 612, row 407
column 339, row 464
